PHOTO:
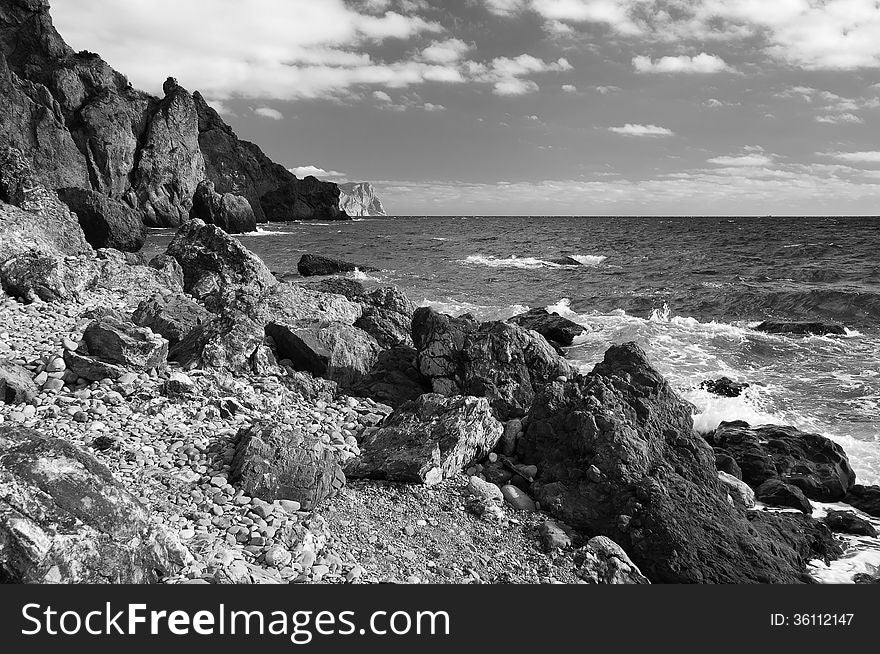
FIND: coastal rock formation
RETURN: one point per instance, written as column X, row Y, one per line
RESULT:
column 776, row 492
column 291, row 303
column 171, row 315
column 360, row 199
column 724, row 387
column 739, row 490
column 496, row 360
column 864, row 498
column 813, row 328
column 815, row 464
column 106, row 223
column 312, row 264
column 551, row 326
column 618, row 456
column 277, row 463
column 428, row 440
column 231, row 213
column 602, row 561
column 64, row 519
column 49, row 277
column 394, row 379
column 114, row 341
column 228, row 342
column 847, row 522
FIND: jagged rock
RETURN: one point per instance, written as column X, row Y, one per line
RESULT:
column 178, row 383
column 169, row 267
column 394, row 379
column 816, row 328
column 813, row 463
column 335, row 351
column 847, row 522
column 106, row 223
column 360, row 199
column 48, row 277
column 551, row 326
column 276, row 463
column 726, row 463
column 64, row 519
column 122, row 343
column 484, row 498
column 864, row 498
column 91, row 368
column 312, row 264
column 512, row 431
column 16, row 384
column 173, row 316
column 654, row 490
column 776, row 492
column 231, row 213
column 502, row 362
column 292, row 303
column 428, row 440
column 239, row 167
column 738, row 489
column 724, row 387
column 217, row 267
column 602, row 561
column 555, row 536
column 228, row 342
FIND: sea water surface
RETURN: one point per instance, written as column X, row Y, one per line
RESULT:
column 689, row 290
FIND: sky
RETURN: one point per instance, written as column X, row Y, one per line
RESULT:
column 535, row 107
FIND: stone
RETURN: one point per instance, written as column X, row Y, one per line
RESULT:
column 278, row 556
column 738, row 489
column 512, row 431
column 172, row 315
column 394, row 378
column 312, row 264
column 91, row 368
column 16, row 384
column 806, row 328
column 105, row 222
column 847, row 522
column 502, row 362
column 114, row 341
column 724, row 387
column 274, row 462
column 776, row 492
column 179, row 383
column 64, row 519
column 815, row 464
column 47, row 277
column 554, row 536
column 483, row 498
column 518, row 499
column 551, row 326
column 228, row 342
column 231, row 213
column 864, row 498
column 602, row 561
column 428, row 440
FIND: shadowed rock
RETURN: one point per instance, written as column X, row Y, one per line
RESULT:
column 312, row 264
column 231, row 213
column 16, row 384
column 122, row 343
column 724, row 387
column 814, row 328
column 847, row 522
column 171, row 315
column 776, row 492
column 551, row 326
column 106, row 223
column 864, row 498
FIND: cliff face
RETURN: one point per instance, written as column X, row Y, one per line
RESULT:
column 360, row 199
column 82, row 124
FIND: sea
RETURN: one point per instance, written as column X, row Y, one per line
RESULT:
column 689, row 290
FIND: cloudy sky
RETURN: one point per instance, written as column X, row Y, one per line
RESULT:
column 675, row 107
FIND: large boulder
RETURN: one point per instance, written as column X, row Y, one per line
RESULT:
column 48, row 277
column 496, row 360
column 216, row 266
column 618, row 456
column 812, row 328
column 115, row 341
column 428, row 440
column 864, row 498
column 228, row 342
column 172, row 315
column 847, row 522
column 314, row 264
column 602, row 561
column 724, row 387
column 64, row 519
column 231, row 213
column 551, row 326
column 335, row 351
column 394, row 379
column 16, row 384
column 274, row 462
column 292, row 303
column 776, row 492
column 106, row 223
column 815, row 464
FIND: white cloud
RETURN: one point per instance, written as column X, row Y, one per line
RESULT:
column 606, row 90
column 445, row 52
column 514, row 86
column 429, row 106
column 753, row 159
column 701, row 63
column 507, row 73
column 381, row 96
column 220, row 107
column 268, row 112
column 569, row 88
column 839, row 119
column 854, row 157
column 641, row 130
column 314, row 171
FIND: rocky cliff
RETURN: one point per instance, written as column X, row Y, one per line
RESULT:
column 82, row 124
column 360, row 199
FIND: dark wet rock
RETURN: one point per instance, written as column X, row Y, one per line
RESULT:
column 48, row 277
column 228, row 342
column 231, row 213
column 814, row 328
column 551, row 326
column 497, row 360
column 602, row 561
column 813, row 463
column 776, row 492
column 312, row 264
column 172, row 315
column 106, row 223
column 64, row 519
column 865, row 578
column 618, row 456
column 216, row 266
column 724, row 387
column 428, row 440
column 726, row 463
column 335, row 351
column 394, row 379
column 122, row 343
column 273, row 462
column 847, row 522
column 16, row 384
column 865, row 499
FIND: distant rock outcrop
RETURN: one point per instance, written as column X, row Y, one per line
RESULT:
column 81, row 124
column 359, row 199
